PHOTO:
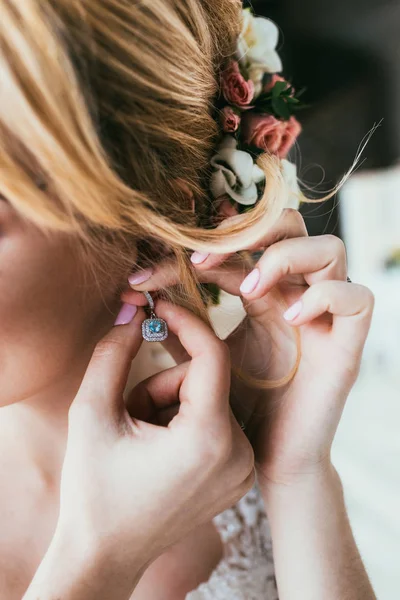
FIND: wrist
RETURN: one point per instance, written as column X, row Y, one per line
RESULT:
column 78, row 569
column 301, row 484
column 314, row 549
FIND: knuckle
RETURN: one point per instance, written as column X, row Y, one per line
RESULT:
column 108, row 346
column 336, row 244
column 277, row 259
column 294, row 215
column 291, row 213
column 369, row 299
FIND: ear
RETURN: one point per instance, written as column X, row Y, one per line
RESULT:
column 187, row 192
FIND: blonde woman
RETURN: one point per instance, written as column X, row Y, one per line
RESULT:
column 107, row 130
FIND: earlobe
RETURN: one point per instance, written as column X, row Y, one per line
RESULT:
column 133, row 297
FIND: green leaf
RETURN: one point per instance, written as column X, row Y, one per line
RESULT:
column 212, row 292
column 281, row 108
column 279, row 87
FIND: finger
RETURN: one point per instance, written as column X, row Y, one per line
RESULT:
column 228, row 277
column 290, row 225
column 162, row 388
column 165, row 416
column 350, row 304
column 175, row 349
column 208, row 376
column 155, row 393
column 106, row 375
column 130, row 296
column 160, row 276
column 317, row 258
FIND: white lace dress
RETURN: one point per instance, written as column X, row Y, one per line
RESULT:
column 246, row 570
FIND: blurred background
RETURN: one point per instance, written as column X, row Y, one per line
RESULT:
column 347, row 55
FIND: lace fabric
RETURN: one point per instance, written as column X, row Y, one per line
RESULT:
column 246, row 570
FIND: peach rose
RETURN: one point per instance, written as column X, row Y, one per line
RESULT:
column 270, row 134
column 235, row 88
column 230, row 120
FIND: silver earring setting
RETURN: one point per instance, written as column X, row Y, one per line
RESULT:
column 154, row 329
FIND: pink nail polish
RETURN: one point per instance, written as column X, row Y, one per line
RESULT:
column 140, row 277
column 250, row 283
column 293, row 311
column 197, row 258
column 126, row 314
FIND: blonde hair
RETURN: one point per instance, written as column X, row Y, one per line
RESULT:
column 104, row 104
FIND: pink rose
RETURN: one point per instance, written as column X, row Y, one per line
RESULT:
column 270, row 134
column 235, row 88
column 230, row 119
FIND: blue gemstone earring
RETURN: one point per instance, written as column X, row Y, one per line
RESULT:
column 154, row 329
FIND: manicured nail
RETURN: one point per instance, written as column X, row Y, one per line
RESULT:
column 250, row 283
column 126, row 314
column 197, row 258
column 140, row 277
column 293, row 311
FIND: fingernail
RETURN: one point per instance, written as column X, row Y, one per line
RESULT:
column 293, row 311
column 140, row 277
column 197, row 258
column 250, row 283
column 126, row 314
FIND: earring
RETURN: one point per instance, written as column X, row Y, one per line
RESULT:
column 154, row 329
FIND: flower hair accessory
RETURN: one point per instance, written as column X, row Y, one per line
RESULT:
column 256, row 110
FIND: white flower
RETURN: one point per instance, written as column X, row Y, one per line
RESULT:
column 289, row 172
column 256, row 74
column 257, row 44
column 235, row 173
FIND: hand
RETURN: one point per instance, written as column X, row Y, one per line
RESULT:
column 292, row 426
column 132, row 487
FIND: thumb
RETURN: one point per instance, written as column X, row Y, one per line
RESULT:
column 106, row 375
